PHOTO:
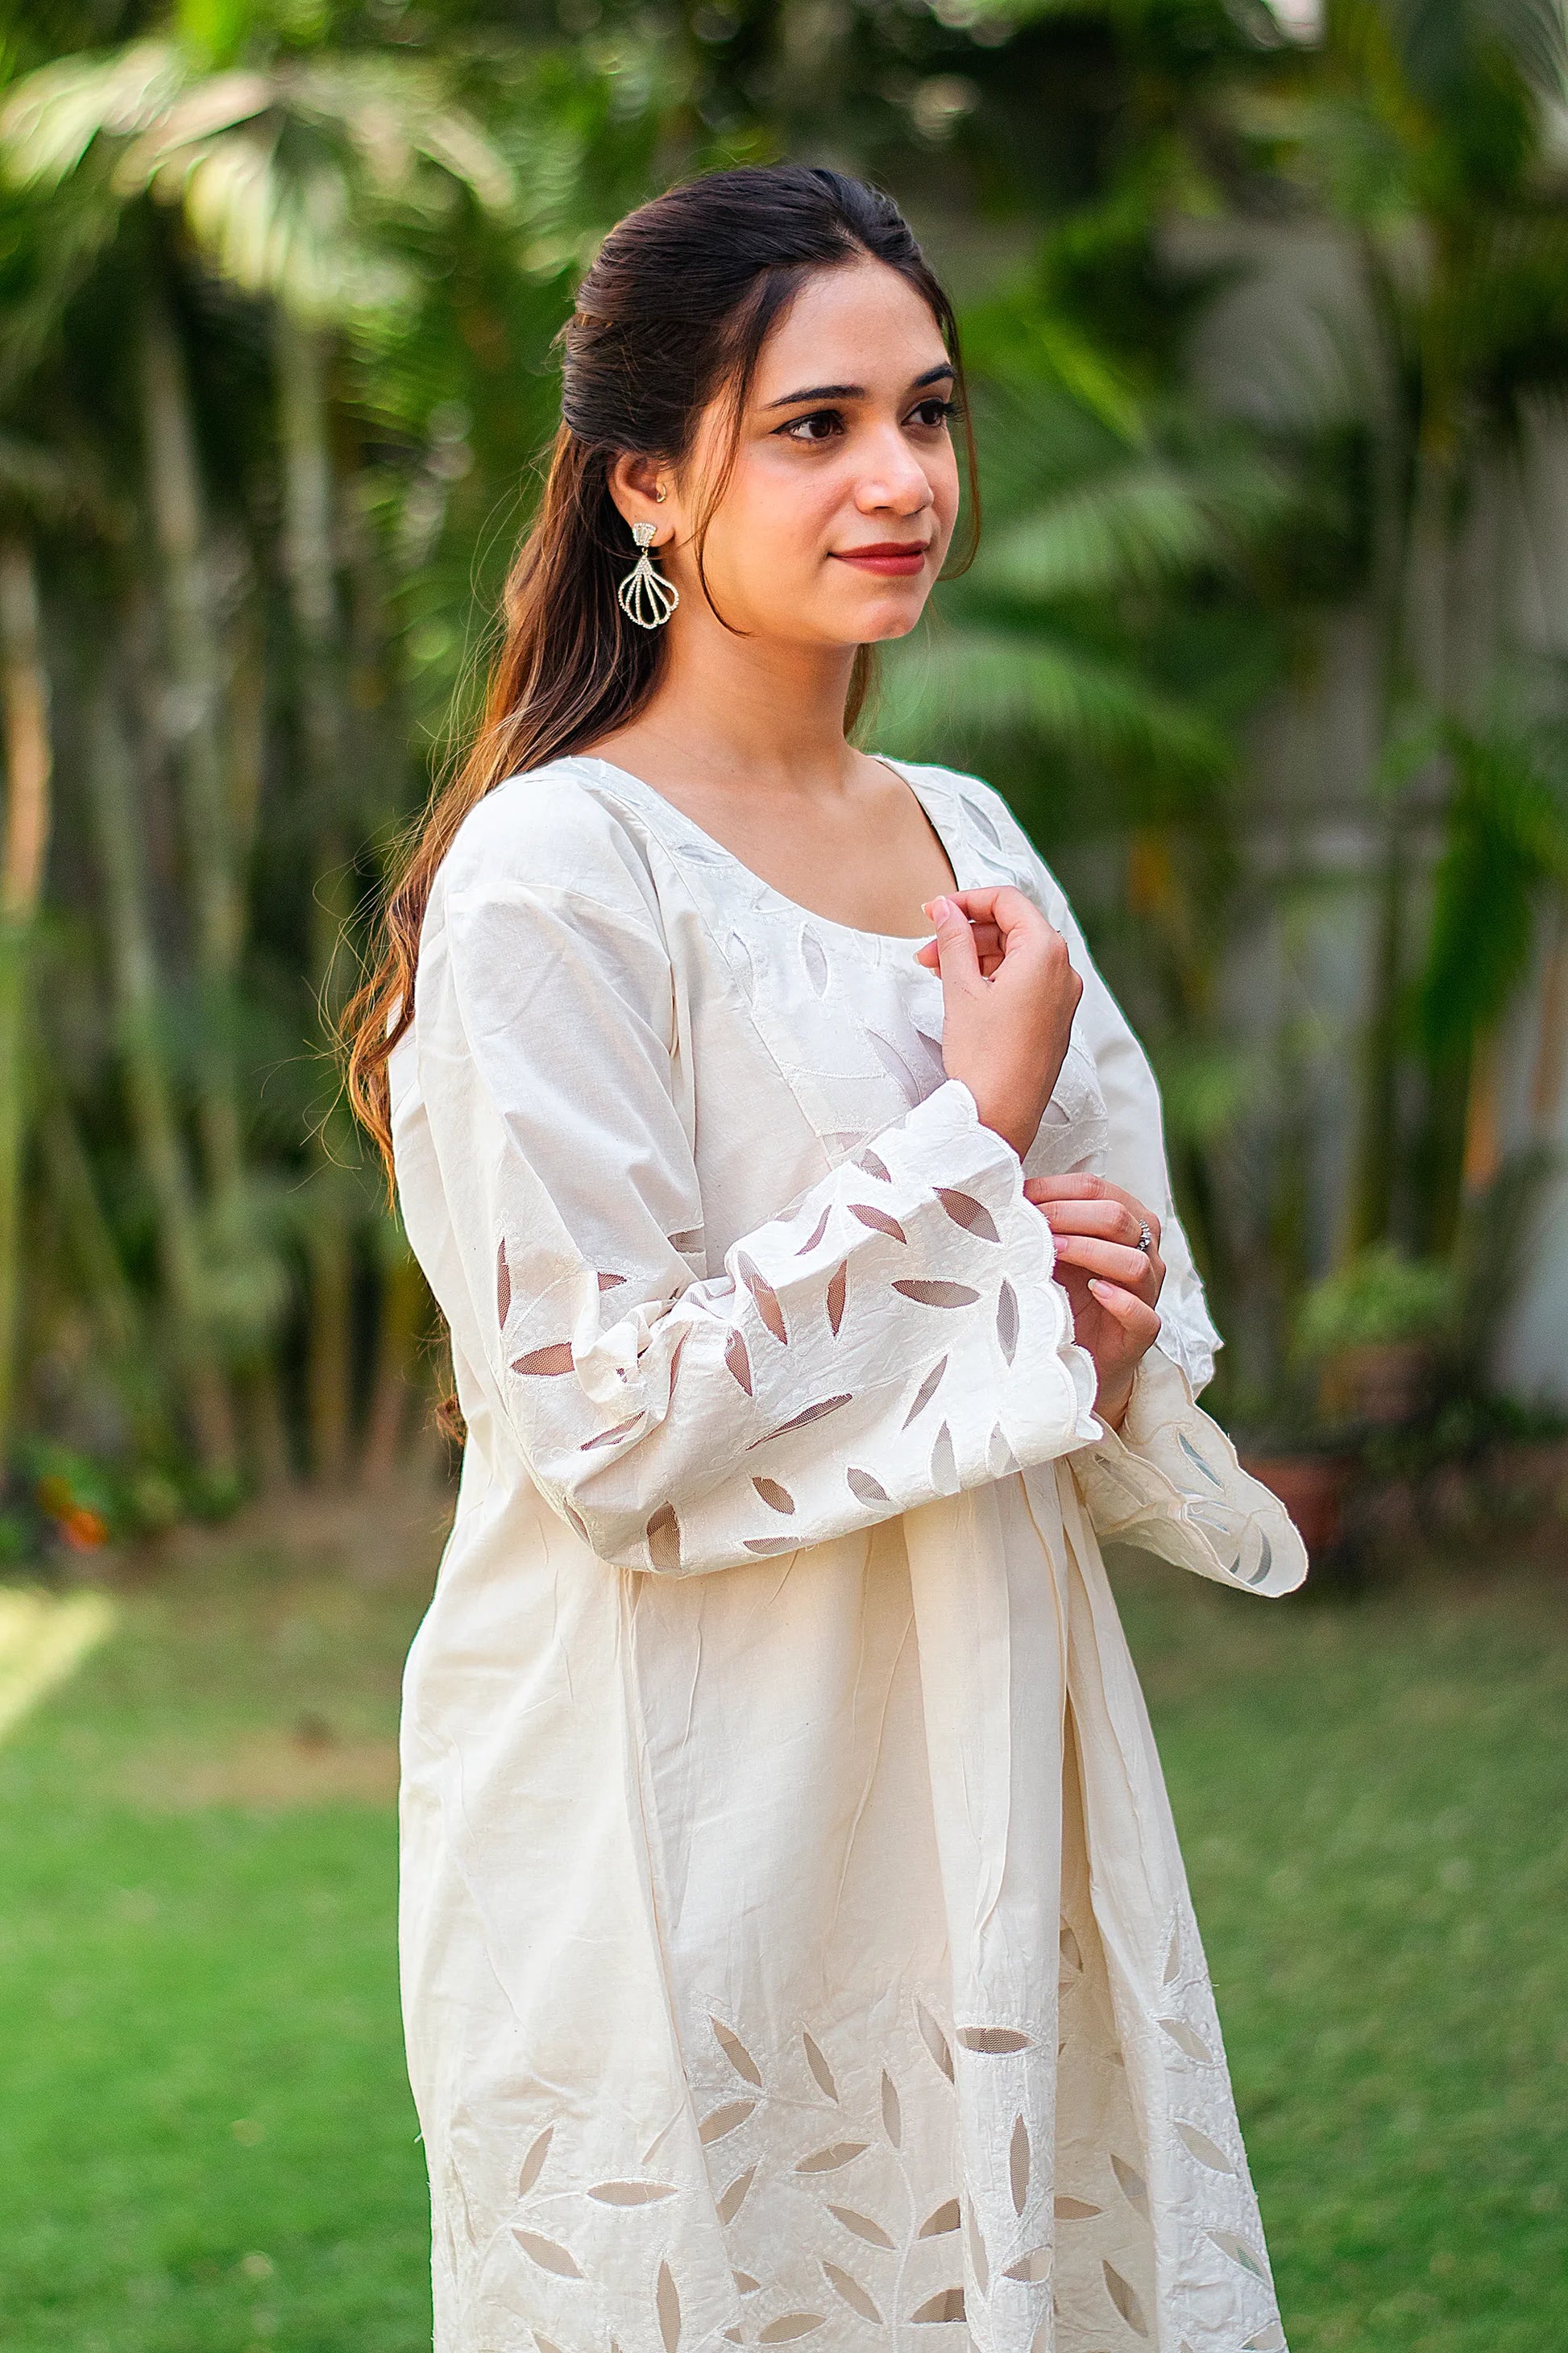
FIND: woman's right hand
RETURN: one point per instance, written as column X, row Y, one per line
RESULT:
column 1009, row 994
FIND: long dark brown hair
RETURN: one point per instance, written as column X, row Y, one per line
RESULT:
column 674, row 313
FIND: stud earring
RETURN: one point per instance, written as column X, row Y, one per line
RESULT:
column 643, row 595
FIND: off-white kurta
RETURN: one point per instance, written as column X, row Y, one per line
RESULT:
column 796, row 1942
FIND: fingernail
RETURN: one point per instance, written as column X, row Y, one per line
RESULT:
column 937, row 910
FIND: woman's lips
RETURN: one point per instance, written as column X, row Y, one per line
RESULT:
column 894, row 559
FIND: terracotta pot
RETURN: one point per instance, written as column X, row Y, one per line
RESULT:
column 1312, row 1489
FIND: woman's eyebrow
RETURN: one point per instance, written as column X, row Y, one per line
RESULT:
column 854, row 391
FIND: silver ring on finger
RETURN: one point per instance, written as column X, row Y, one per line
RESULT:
column 1145, row 1239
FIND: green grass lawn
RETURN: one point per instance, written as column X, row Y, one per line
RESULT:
column 206, row 2143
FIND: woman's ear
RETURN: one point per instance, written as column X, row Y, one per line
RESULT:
column 640, row 488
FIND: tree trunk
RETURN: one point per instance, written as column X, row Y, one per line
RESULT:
column 305, row 429
column 149, row 1089
column 193, row 649
column 25, row 698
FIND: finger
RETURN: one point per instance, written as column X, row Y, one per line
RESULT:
column 1138, row 1320
column 956, row 959
column 1132, row 1268
column 1087, row 1187
column 1109, row 1220
column 1016, row 918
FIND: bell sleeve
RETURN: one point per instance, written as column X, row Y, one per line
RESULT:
column 1170, row 1482
column 893, row 1334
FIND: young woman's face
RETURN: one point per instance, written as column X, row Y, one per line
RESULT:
column 844, row 495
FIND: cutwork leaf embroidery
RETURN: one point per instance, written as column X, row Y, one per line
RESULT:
column 547, row 1364
column 738, row 1361
column 799, row 1421
column 790, row 2326
column 723, row 2120
column 868, row 1161
column 814, row 957
column 943, row 1463
column 1206, row 2151
column 837, row 1287
column 1187, row 2038
column 1075, row 2210
column 927, row 1389
column 938, row 1294
column 878, row 1220
column 815, row 1234
column 663, row 1532
column 857, row 2298
column 1120, row 2294
column 668, row 2304
column 828, row 2160
column 1268, row 2340
column 611, row 1282
column 977, row 2254
column 1134, row 2188
column 764, row 1295
column 816, row 2062
column 735, row 2051
column 995, row 2041
column 1007, row 1321
column 892, row 2115
column 946, row 2304
column 734, row 2198
column 947, row 2217
column 1018, row 2165
column 1241, row 2252
column 533, row 2163
column 548, row 2253
column 1031, row 2268
column 767, row 1546
column 967, row 1211
column 608, row 1437
column 503, row 1285
column 776, row 1498
column 933, row 2037
column 629, row 2193
column 862, row 2226
column 864, row 1488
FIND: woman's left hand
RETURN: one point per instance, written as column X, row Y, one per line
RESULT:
column 1110, row 1280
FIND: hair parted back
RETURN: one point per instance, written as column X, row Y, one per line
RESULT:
column 673, row 316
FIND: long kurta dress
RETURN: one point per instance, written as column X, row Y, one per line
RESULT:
column 795, row 1944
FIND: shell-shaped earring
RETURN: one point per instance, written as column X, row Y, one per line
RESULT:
column 645, row 596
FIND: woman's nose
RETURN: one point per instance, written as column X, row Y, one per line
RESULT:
column 893, row 476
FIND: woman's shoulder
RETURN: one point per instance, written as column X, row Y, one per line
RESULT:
column 988, row 821
column 555, row 828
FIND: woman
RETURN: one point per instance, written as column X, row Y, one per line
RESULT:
column 795, row 1944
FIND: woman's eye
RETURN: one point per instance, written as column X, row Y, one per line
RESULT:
column 936, row 411
column 820, row 426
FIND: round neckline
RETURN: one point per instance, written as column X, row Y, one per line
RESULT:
column 720, row 850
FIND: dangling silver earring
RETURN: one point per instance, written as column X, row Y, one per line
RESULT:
column 645, row 596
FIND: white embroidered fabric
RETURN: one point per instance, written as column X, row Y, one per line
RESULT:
column 795, row 1944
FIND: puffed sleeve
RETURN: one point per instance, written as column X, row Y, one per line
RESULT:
column 895, row 1333
column 1170, row 1483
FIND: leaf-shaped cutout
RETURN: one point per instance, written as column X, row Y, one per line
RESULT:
column 764, row 1295
column 873, row 1166
column 1072, row 1952
column 947, row 2304
column 1241, row 2252
column 548, row 2253
column 878, row 1220
column 723, row 2120
column 1075, row 2210
column 745, row 2282
column 931, row 1048
column 1018, row 2165
column 997, row 2041
column 546, row 2345
column 738, row 1360
column 943, row 1463
column 533, row 2165
column 546, row 1364
column 938, row 1294
column 1191, row 1451
column 736, row 2336
column 815, row 1234
column 734, row 2198
column 811, row 1413
column 845, row 2285
column 1000, row 1459
column 1007, row 1321
column 776, row 1498
column 865, row 1489
column 741, row 963
column 892, row 2114
column 1207, row 2152
column 503, row 1285
column 735, row 2051
column 578, row 1522
column 668, row 2304
column 1120, row 2293
column 1268, row 2340
column 944, row 2218
column 629, row 2193
column 1172, row 1969
column 1187, row 2038
column 977, row 2252
column 933, row 2037
column 1031, row 2268
column 982, row 820
column 663, row 1533
column 788, row 2327
column 817, row 2063
column 863, row 2226
column 686, row 1244
column 814, row 958
column 926, row 1391
column 829, row 2159
column 1134, row 2188
column 897, row 1070
column 608, row 1437
column 1265, row 1563
column 967, row 1211
column 837, row 1287
column 767, row 1548
column 611, row 1282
